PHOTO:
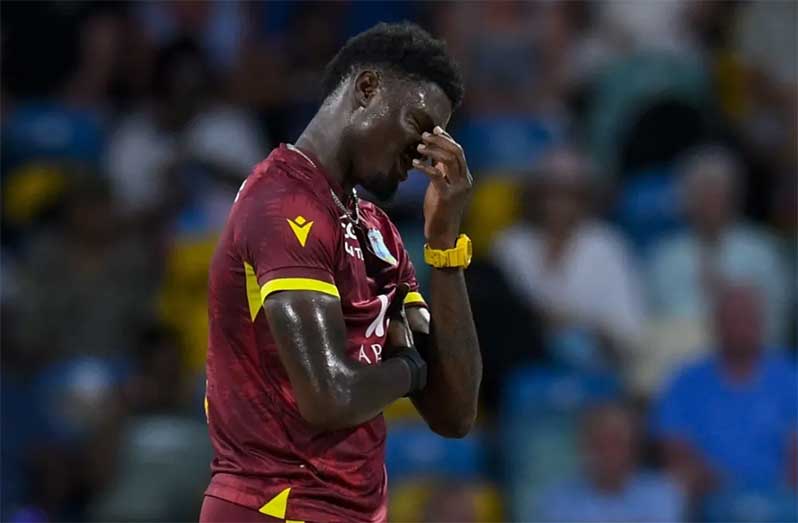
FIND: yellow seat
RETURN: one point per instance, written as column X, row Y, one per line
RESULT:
column 410, row 501
column 183, row 302
column 496, row 205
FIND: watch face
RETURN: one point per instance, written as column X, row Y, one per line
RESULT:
column 465, row 243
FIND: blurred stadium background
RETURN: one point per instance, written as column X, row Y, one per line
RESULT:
column 634, row 222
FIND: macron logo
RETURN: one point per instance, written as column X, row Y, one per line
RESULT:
column 301, row 228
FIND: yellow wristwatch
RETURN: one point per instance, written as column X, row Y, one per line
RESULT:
column 459, row 256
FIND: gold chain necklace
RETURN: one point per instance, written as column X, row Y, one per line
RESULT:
column 354, row 217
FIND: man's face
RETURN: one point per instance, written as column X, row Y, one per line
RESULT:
column 738, row 319
column 385, row 131
column 610, row 447
column 710, row 199
column 564, row 191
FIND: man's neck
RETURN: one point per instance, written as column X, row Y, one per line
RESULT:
column 712, row 234
column 741, row 367
column 322, row 138
column 611, row 486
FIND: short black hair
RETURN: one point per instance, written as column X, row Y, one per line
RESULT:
column 404, row 48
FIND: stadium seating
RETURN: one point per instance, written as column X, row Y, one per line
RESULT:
column 507, row 143
column 413, row 450
column 735, row 506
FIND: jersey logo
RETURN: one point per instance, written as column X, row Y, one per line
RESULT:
column 378, row 325
column 301, row 228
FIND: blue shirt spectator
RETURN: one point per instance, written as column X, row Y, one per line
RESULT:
column 646, row 497
column 612, row 486
column 743, row 428
column 728, row 422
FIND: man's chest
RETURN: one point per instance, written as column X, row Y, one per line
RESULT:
column 367, row 275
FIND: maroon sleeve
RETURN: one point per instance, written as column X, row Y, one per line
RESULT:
column 290, row 241
column 406, row 273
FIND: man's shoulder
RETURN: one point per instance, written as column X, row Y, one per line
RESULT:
column 373, row 210
column 650, row 481
column 374, row 214
column 694, row 373
column 671, row 246
column 759, row 245
column 780, row 367
column 519, row 235
column 279, row 202
column 600, row 239
column 274, row 175
column 276, row 185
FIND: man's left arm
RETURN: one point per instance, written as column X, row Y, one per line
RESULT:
column 454, row 364
column 447, row 341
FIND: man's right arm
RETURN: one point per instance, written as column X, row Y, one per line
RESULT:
column 332, row 390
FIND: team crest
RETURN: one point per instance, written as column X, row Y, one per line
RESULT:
column 379, row 248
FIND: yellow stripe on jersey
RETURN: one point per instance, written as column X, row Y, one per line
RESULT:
column 413, row 298
column 298, row 284
column 253, row 291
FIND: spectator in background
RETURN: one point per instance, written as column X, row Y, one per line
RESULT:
column 573, row 270
column 717, row 245
column 186, row 147
column 613, row 487
column 163, row 447
column 84, row 283
column 454, row 502
column 57, row 111
column 729, row 420
column 160, row 383
column 221, row 27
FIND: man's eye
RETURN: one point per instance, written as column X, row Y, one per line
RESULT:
column 412, row 152
column 414, row 125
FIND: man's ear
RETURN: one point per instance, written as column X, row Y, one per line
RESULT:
column 367, row 84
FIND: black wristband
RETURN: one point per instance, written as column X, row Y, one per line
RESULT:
column 417, row 366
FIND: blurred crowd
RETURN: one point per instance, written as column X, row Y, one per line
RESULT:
column 634, row 227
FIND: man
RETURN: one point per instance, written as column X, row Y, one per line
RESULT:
column 572, row 269
column 684, row 268
column 728, row 422
column 302, row 359
column 717, row 244
column 613, row 486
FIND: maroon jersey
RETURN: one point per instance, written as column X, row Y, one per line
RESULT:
column 285, row 232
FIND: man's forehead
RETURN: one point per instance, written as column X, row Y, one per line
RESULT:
column 428, row 99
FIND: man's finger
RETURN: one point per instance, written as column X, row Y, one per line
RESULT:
column 448, row 144
column 434, row 174
column 442, row 142
column 440, row 131
column 436, row 153
column 396, row 306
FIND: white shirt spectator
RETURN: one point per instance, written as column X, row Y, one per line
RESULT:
column 595, row 282
column 743, row 253
column 139, row 152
